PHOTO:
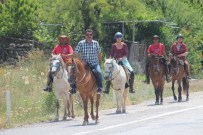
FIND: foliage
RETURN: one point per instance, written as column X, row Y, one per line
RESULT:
column 18, row 18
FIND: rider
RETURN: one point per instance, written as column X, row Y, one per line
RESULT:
column 180, row 50
column 157, row 49
column 90, row 52
column 64, row 48
column 119, row 50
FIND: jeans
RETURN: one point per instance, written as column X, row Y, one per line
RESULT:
column 98, row 75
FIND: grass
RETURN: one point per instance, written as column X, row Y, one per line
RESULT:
column 30, row 104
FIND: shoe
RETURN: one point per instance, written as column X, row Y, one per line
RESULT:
column 105, row 92
column 188, row 77
column 99, row 90
column 146, row 81
column 48, row 89
column 126, row 85
column 72, row 91
column 131, row 91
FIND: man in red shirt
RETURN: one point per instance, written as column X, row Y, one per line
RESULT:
column 180, row 50
column 64, row 48
column 157, row 49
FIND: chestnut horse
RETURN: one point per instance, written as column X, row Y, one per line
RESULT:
column 178, row 73
column 86, row 84
column 156, row 72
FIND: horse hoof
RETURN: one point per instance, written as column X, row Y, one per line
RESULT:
column 64, row 118
column 96, row 121
column 156, row 103
column 85, row 123
column 118, row 111
column 161, row 103
column 124, row 111
column 93, row 117
column 56, row 120
column 175, row 98
column 73, row 116
column 187, row 99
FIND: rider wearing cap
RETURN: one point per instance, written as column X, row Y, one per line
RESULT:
column 119, row 51
column 180, row 50
column 64, row 48
column 157, row 49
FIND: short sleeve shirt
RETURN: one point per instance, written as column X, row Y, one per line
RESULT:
column 178, row 48
column 62, row 49
column 157, row 49
column 88, row 51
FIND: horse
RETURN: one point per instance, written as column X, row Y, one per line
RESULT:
column 62, row 87
column 117, row 76
column 178, row 73
column 156, row 72
column 85, row 81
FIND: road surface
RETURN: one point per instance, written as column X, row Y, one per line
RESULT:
column 171, row 118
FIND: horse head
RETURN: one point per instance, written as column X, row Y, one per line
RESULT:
column 56, row 64
column 175, row 65
column 109, row 68
column 154, row 60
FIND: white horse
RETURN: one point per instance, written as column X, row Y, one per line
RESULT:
column 62, row 86
column 116, row 74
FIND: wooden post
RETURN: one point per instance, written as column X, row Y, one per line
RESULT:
column 8, row 104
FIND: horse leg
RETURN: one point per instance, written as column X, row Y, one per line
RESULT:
column 97, row 108
column 187, row 91
column 71, row 99
column 118, row 101
column 157, row 95
column 66, row 105
column 179, row 92
column 124, row 101
column 92, row 107
column 173, row 90
column 85, row 107
column 57, row 110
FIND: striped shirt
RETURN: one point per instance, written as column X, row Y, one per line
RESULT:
column 88, row 51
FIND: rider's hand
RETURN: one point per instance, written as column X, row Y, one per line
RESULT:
column 120, row 59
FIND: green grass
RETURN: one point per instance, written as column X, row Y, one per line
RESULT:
column 30, row 104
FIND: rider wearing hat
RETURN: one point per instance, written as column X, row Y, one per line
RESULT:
column 64, row 48
column 180, row 50
column 157, row 49
column 119, row 51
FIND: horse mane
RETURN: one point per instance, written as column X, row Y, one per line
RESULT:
column 58, row 56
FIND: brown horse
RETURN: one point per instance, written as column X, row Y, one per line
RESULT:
column 86, row 84
column 156, row 71
column 178, row 73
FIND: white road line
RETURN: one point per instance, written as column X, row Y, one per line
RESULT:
column 136, row 121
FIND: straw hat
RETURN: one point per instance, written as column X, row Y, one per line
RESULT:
column 62, row 37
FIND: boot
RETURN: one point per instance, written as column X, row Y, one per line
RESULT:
column 73, row 88
column 147, row 80
column 167, row 73
column 48, row 88
column 186, row 67
column 131, row 82
column 108, row 83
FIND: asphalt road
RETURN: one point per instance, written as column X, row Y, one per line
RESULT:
column 171, row 118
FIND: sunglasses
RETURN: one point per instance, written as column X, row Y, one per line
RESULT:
column 89, row 35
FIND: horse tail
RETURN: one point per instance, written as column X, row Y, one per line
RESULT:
column 185, row 84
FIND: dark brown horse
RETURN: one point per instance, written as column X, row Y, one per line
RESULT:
column 156, row 71
column 86, row 84
column 178, row 73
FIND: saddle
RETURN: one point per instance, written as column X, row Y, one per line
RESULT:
column 126, row 72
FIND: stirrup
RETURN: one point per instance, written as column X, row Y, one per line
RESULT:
column 106, row 92
column 48, row 89
column 131, row 91
column 72, row 91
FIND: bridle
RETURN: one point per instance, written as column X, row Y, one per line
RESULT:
column 57, row 65
column 110, row 73
column 72, row 73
